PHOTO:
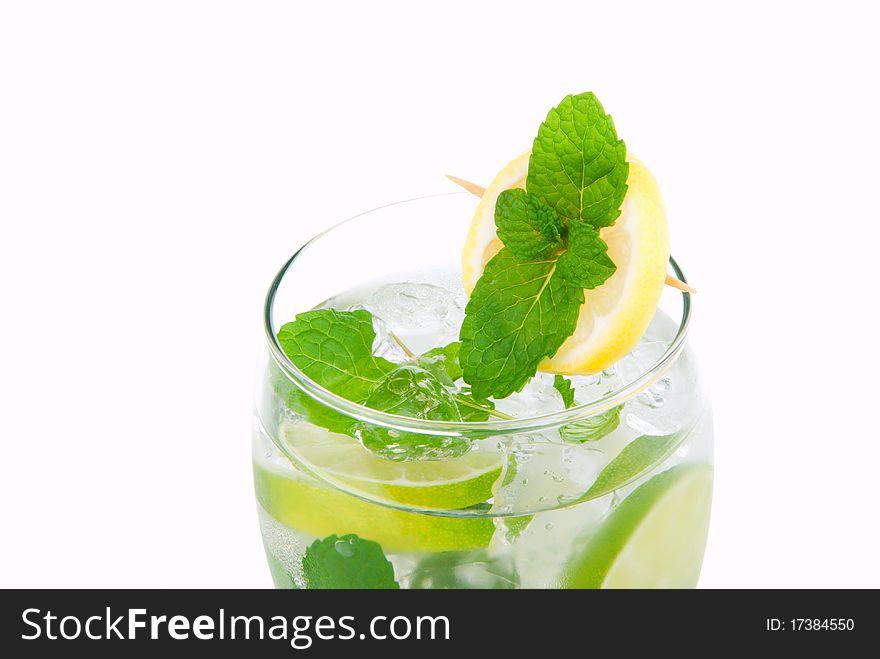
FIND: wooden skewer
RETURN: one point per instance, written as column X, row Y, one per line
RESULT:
column 478, row 190
column 473, row 188
column 679, row 284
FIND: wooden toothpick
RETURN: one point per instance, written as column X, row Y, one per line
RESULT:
column 478, row 190
column 473, row 188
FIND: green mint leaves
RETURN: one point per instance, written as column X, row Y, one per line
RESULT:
column 335, row 349
column 527, row 302
column 578, row 166
column 526, row 225
column 520, row 312
column 415, row 393
column 585, row 263
column 347, row 562
column 522, row 309
column 591, row 429
column 563, row 386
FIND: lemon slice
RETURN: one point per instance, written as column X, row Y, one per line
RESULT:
column 438, row 484
column 482, row 241
column 617, row 313
column 654, row 539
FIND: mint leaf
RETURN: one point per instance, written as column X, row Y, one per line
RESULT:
column 593, row 428
column 526, row 225
column 519, row 313
column 411, row 392
column 415, row 393
column 335, row 349
column 587, row 430
column 300, row 402
column 635, row 457
column 563, row 386
column 347, row 562
column 585, row 263
column 443, row 363
column 578, row 166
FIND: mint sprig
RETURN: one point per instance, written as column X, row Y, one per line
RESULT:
column 527, row 302
column 335, row 349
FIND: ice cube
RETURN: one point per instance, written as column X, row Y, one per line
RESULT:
column 589, row 388
column 647, row 422
column 385, row 345
column 423, row 316
column 537, row 397
column 639, row 361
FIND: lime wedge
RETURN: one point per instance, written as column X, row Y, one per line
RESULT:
column 318, row 510
column 439, row 484
column 654, row 539
column 635, row 458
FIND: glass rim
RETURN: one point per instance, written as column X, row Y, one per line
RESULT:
column 536, row 423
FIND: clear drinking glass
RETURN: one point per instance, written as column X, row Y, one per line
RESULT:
column 528, row 509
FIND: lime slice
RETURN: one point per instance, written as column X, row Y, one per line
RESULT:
column 439, row 484
column 654, row 539
column 318, row 510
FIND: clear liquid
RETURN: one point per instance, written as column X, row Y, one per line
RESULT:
column 534, row 531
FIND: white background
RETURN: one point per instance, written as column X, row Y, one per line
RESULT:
column 160, row 160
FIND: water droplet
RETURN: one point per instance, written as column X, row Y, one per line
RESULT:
column 344, row 548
